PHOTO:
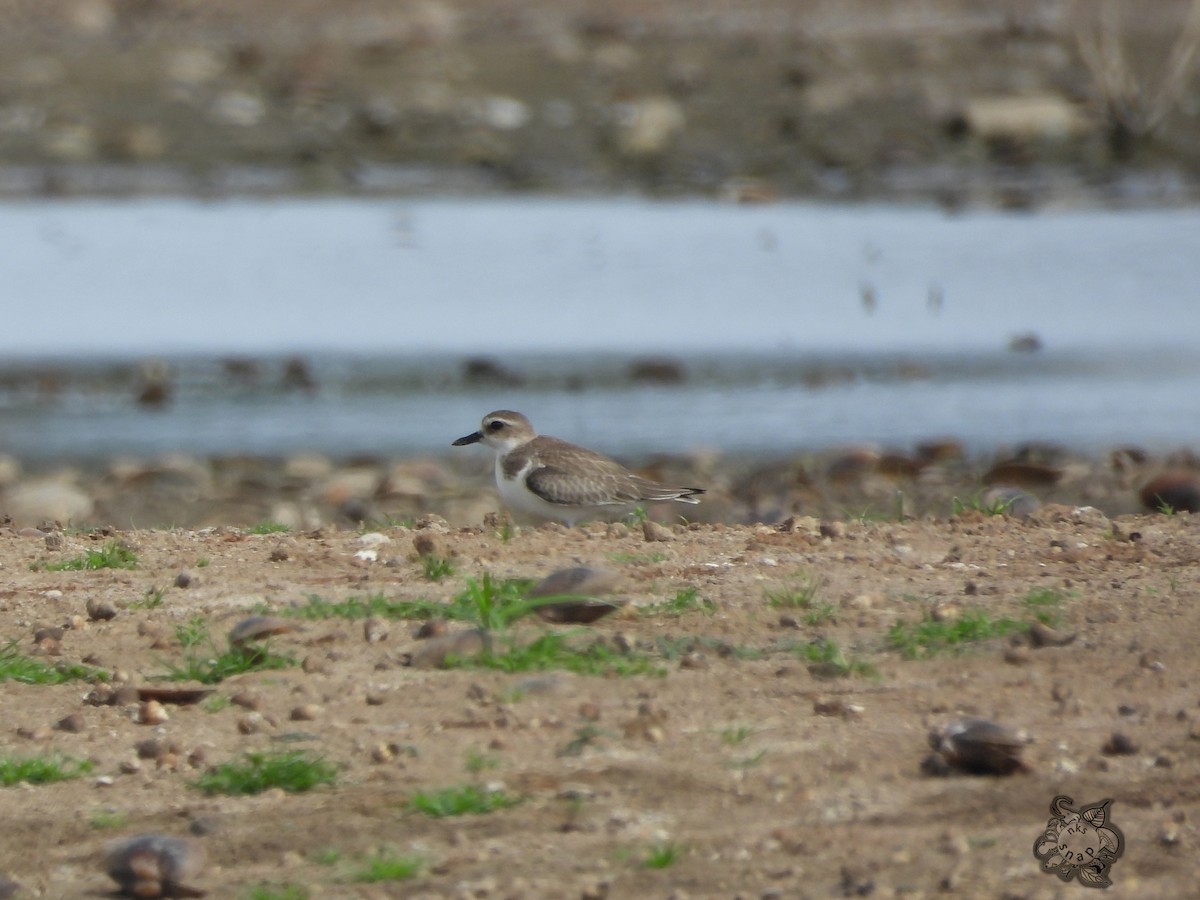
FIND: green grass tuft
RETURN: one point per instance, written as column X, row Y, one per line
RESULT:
column 663, row 856
column 435, row 567
column 278, row 892
column 467, row 799
column 1045, row 605
column 685, row 601
column 554, row 651
column 832, row 659
column 266, row 527
column 41, row 769
column 16, row 667
column 294, row 771
column 928, row 637
column 387, row 866
column 113, row 555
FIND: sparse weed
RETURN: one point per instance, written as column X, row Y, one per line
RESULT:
column 585, row 737
column 203, row 562
column 466, row 799
column 193, row 632
column 16, row 667
column 663, row 856
column 686, row 600
column 365, row 607
column 997, row 506
column 831, row 661
column 215, row 667
column 553, row 651
column 152, row 599
column 266, row 527
column 294, row 771
column 40, row 769
column 327, row 856
column 637, row 558
column 113, row 555
column 799, row 595
column 746, row 762
column 478, row 762
column 435, row 567
column 216, row 703
column 388, row 866
column 104, row 819
column 1045, row 605
column 929, row 636
column 736, row 734
column 278, row 892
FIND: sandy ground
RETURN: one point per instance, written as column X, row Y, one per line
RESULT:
column 771, row 776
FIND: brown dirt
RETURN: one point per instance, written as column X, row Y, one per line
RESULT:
column 804, row 805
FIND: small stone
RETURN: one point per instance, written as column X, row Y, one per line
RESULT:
column 100, row 610
column 833, row 529
column 155, row 865
column 977, row 747
column 279, row 554
column 694, row 660
column 432, row 654
column 73, row 723
column 837, row 707
column 375, row 630
column 245, row 700
column 184, row 579
column 429, row 629
column 382, row 753
column 306, row 713
column 1041, row 635
column 314, row 665
column 653, row 532
column 259, row 627
column 150, row 749
column 250, row 724
column 37, row 733
column 42, row 635
column 1119, row 744
column 152, row 713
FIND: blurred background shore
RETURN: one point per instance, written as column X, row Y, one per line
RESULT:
column 1011, row 103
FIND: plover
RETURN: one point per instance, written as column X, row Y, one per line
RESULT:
column 553, row 479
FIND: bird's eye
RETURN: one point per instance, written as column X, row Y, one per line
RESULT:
column 495, row 426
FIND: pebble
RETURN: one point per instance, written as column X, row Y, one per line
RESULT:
column 1119, row 744
column 977, row 747
column 73, row 723
column 307, row 712
column 100, row 610
column 152, row 713
column 653, row 532
column 1177, row 490
column 258, row 627
column 432, row 654
column 374, row 630
column 154, row 865
column 184, row 579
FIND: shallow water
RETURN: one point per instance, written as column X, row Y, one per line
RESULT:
column 798, row 326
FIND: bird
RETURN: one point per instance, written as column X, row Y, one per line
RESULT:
column 554, row 479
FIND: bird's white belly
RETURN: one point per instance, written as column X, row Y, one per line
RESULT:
column 518, row 497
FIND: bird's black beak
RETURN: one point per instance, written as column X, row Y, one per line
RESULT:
column 469, row 439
